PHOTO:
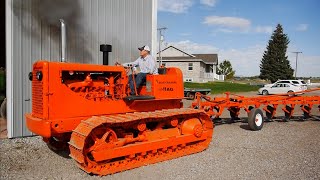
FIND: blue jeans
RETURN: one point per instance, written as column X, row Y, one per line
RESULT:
column 140, row 78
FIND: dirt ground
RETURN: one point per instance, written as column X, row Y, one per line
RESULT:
column 281, row 150
column 3, row 128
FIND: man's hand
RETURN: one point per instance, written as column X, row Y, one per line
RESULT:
column 127, row 69
column 117, row 64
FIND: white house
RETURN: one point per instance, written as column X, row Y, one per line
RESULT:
column 195, row 67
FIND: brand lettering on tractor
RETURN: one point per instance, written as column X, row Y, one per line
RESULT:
column 166, row 89
column 166, row 82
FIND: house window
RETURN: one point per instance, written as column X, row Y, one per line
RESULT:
column 190, row 66
column 188, row 79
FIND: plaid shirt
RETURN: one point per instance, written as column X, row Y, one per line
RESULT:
column 146, row 65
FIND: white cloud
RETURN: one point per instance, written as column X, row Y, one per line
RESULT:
column 210, row 3
column 302, row 27
column 225, row 30
column 174, row 6
column 192, row 47
column 246, row 61
column 229, row 22
column 235, row 24
column 263, row 29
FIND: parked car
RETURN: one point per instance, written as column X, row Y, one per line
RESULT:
column 295, row 82
column 280, row 88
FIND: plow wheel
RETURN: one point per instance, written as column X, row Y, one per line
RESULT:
column 191, row 95
column 255, row 119
column 107, row 145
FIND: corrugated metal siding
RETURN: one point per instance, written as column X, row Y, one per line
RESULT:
column 125, row 24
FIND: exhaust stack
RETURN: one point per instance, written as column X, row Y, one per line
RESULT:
column 105, row 49
column 63, row 40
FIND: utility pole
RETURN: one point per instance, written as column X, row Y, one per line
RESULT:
column 160, row 40
column 297, row 53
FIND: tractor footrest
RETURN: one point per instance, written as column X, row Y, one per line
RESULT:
column 133, row 98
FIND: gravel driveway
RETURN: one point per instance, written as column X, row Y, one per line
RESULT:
column 280, row 150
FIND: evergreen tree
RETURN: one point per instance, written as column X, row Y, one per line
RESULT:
column 225, row 68
column 275, row 64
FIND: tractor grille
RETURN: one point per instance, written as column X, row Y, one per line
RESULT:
column 37, row 96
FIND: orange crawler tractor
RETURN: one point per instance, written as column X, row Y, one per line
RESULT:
column 88, row 108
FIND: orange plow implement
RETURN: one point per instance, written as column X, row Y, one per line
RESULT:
column 214, row 107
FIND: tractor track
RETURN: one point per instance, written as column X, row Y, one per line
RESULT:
column 133, row 156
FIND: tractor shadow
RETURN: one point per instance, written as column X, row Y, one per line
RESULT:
column 60, row 152
column 226, row 121
column 245, row 125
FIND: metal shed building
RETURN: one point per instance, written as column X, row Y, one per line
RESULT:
column 32, row 33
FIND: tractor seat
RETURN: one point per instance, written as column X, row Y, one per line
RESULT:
column 162, row 70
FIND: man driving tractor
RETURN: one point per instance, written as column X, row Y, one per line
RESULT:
column 147, row 65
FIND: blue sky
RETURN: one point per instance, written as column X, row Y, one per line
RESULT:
column 240, row 30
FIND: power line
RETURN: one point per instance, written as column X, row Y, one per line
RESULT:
column 297, row 53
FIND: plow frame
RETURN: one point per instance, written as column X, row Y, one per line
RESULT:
column 214, row 107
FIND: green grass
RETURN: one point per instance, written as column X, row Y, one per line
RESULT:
column 221, row 87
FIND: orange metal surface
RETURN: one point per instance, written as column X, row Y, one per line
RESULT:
column 38, row 126
column 166, row 86
column 69, row 93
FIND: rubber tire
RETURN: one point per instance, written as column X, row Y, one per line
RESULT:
column 289, row 93
column 265, row 92
column 252, row 119
column 190, row 95
column 3, row 109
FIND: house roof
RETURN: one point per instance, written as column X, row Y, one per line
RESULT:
column 181, row 59
column 206, row 58
column 190, row 55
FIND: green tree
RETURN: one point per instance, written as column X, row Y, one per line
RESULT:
column 275, row 64
column 225, row 68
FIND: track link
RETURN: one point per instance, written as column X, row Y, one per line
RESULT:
column 108, row 144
